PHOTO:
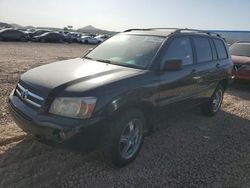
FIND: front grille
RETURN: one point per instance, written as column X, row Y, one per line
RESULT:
column 29, row 97
column 237, row 66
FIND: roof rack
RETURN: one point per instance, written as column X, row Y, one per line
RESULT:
column 178, row 30
column 159, row 28
column 128, row 30
column 198, row 31
column 148, row 29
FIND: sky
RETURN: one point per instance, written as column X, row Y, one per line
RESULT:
column 120, row 15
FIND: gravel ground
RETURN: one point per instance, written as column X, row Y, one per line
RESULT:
column 186, row 150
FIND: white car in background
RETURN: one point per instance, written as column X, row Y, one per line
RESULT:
column 102, row 38
column 89, row 40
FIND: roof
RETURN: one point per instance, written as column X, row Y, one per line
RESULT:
column 164, row 32
column 152, row 31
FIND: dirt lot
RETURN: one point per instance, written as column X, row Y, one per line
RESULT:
column 187, row 150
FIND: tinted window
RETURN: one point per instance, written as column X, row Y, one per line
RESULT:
column 221, row 50
column 180, row 48
column 213, row 49
column 11, row 33
column 128, row 50
column 203, row 49
column 53, row 35
column 15, row 32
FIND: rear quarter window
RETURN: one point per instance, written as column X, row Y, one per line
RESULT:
column 221, row 49
column 203, row 49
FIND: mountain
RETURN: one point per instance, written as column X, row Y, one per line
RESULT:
column 16, row 25
column 13, row 25
column 5, row 25
column 89, row 27
column 22, row 27
column 92, row 29
column 86, row 29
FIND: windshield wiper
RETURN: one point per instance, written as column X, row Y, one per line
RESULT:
column 104, row 61
column 100, row 60
column 86, row 57
column 115, row 63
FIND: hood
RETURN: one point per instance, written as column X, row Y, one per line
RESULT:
column 240, row 59
column 65, row 74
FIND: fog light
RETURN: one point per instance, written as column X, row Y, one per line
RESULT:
column 64, row 135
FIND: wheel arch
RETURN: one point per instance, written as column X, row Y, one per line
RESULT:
column 224, row 83
column 145, row 107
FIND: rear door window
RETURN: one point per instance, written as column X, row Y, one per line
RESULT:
column 221, row 50
column 213, row 49
column 180, row 48
column 203, row 49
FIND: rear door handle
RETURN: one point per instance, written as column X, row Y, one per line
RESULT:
column 217, row 65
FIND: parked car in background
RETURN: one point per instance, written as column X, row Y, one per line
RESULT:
column 64, row 32
column 49, row 37
column 13, row 35
column 240, row 52
column 73, row 37
column 110, row 98
column 38, row 32
column 89, row 40
column 102, row 38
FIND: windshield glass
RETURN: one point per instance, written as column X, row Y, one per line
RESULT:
column 128, row 50
column 240, row 49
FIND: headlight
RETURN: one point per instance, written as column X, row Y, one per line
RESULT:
column 73, row 107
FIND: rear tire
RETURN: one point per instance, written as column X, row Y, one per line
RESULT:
column 124, row 138
column 212, row 107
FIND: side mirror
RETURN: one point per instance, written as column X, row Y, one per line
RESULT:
column 172, row 65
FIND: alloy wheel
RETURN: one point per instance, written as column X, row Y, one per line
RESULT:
column 131, row 138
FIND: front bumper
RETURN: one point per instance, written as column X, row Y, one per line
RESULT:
column 243, row 73
column 54, row 130
column 242, row 76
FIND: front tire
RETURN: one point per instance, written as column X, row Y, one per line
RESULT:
column 211, row 107
column 124, row 138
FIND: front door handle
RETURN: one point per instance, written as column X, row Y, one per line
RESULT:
column 196, row 77
column 217, row 65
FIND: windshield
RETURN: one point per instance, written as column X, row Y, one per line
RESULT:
column 240, row 49
column 127, row 50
